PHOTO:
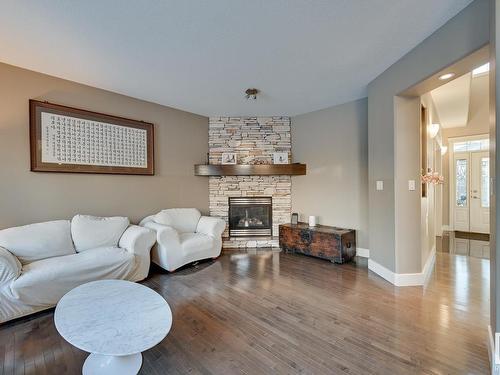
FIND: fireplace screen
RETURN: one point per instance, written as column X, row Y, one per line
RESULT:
column 250, row 216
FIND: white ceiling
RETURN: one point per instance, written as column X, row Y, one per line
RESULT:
column 200, row 56
column 452, row 102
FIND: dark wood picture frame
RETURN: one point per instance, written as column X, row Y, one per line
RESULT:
column 37, row 165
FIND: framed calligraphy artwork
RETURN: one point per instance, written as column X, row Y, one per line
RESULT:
column 66, row 139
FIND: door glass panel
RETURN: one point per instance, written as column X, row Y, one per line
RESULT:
column 485, row 182
column 460, row 146
column 476, row 145
column 461, row 182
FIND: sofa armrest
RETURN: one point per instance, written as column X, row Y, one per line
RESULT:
column 211, row 226
column 147, row 219
column 10, row 267
column 168, row 252
column 137, row 240
column 165, row 235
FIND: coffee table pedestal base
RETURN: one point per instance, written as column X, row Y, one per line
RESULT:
column 112, row 365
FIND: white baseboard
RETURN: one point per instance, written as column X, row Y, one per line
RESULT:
column 360, row 252
column 429, row 264
column 381, row 271
column 405, row 279
column 495, row 369
column 491, row 346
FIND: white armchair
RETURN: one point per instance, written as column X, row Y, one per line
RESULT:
column 184, row 236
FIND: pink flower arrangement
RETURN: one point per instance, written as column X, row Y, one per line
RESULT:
column 432, row 178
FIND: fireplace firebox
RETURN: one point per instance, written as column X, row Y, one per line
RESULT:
column 250, row 216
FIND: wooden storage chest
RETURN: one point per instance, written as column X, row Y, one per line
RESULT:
column 335, row 244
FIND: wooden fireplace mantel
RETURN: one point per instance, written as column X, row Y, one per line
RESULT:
column 296, row 169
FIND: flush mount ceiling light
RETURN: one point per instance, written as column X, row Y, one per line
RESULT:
column 446, row 76
column 251, row 93
column 433, row 130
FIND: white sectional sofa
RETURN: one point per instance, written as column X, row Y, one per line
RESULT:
column 39, row 263
column 184, row 236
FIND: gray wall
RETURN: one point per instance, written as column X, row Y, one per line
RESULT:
column 465, row 33
column 407, row 167
column 334, row 144
column 181, row 140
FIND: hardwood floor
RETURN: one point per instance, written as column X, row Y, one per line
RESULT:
column 464, row 243
column 270, row 312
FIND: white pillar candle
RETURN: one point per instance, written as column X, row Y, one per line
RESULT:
column 312, row 221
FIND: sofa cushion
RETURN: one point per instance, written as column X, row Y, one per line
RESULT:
column 184, row 220
column 38, row 241
column 44, row 282
column 10, row 267
column 195, row 242
column 89, row 232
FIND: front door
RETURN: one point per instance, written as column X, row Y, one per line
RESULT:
column 471, row 195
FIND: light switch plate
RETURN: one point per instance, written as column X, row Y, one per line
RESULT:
column 411, row 185
column 380, row 185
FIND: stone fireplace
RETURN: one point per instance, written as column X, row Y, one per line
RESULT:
column 250, row 216
column 254, row 140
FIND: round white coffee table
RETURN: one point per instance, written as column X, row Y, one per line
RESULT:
column 115, row 321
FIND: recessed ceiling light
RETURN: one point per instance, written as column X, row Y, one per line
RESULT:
column 481, row 70
column 446, row 76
